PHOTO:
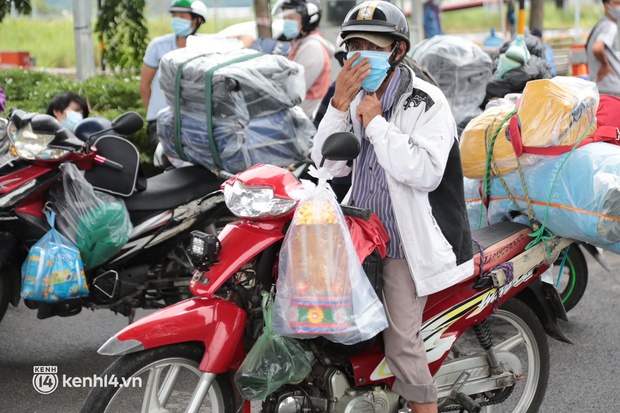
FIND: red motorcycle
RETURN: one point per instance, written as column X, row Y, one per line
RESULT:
column 485, row 337
column 152, row 269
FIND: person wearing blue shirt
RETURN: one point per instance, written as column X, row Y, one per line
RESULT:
column 548, row 50
column 186, row 19
column 432, row 20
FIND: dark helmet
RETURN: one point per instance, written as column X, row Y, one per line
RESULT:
column 92, row 125
column 310, row 10
column 380, row 17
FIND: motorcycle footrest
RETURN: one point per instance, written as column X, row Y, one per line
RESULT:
column 467, row 403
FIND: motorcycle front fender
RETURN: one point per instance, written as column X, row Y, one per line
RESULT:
column 216, row 323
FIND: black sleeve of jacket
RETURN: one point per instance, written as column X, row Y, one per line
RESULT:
column 449, row 209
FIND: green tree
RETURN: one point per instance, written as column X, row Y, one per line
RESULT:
column 22, row 7
column 121, row 30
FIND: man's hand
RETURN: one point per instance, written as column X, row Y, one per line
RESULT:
column 349, row 81
column 604, row 70
column 368, row 108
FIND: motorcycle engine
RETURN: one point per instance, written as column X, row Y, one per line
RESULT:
column 340, row 398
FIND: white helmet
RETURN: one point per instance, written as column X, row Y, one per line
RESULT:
column 196, row 7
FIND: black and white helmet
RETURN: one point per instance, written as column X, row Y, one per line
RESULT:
column 310, row 10
column 378, row 17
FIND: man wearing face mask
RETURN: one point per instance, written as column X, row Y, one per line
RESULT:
column 187, row 16
column 69, row 108
column 602, row 50
column 409, row 173
column 308, row 47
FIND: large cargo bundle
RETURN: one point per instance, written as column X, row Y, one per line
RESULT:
column 261, row 85
column 461, row 69
column 233, row 110
column 549, row 118
column 277, row 139
column 576, row 195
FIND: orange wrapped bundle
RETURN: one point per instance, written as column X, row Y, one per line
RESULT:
column 476, row 138
column 557, row 112
column 318, row 267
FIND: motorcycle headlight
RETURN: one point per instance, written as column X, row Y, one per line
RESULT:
column 254, row 201
column 30, row 145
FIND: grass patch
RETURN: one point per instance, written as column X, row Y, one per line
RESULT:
column 51, row 41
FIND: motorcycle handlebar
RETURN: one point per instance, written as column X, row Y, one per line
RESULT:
column 363, row 213
column 225, row 175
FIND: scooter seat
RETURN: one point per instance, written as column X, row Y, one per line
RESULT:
column 172, row 188
column 499, row 242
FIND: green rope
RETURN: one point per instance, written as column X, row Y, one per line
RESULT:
column 208, row 100
column 177, row 108
column 486, row 179
column 543, row 234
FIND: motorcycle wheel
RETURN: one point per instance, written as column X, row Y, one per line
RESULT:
column 574, row 278
column 165, row 377
column 514, row 328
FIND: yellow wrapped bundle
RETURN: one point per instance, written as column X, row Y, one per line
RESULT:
column 476, row 138
column 557, row 112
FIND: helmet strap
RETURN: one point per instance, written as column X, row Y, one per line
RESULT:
column 196, row 18
column 395, row 63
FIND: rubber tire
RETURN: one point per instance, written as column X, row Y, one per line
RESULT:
column 525, row 313
column 126, row 366
column 572, row 293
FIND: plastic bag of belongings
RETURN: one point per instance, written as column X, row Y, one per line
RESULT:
column 518, row 66
column 549, row 118
column 231, row 109
column 461, row 70
column 576, row 195
column 573, row 185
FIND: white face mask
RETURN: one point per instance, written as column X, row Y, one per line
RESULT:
column 615, row 12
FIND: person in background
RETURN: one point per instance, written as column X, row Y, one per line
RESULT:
column 548, row 50
column 187, row 17
column 308, row 47
column 69, row 108
column 409, row 173
column 511, row 21
column 602, row 50
column 432, row 18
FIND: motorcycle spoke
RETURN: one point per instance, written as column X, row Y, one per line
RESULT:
column 169, row 382
column 511, row 342
column 150, row 401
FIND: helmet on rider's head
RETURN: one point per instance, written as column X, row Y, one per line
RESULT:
column 372, row 18
column 197, row 8
column 310, row 10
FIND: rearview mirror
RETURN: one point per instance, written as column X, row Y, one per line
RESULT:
column 127, row 123
column 340, row 146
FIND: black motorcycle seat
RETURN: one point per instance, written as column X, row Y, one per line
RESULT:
column 495, row 233
column 172, row 188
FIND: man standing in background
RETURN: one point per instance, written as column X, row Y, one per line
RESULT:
column 602, row 50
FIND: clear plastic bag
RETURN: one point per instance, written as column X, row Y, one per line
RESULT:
column 53, row 269
column 96, row 222
column 272, row 362
column 318, row 269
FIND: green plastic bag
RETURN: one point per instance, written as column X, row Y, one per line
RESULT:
column 272, row 362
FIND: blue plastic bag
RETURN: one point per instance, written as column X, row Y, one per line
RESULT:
column 53, row 269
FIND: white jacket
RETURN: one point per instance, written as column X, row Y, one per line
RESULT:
column 426, row 190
